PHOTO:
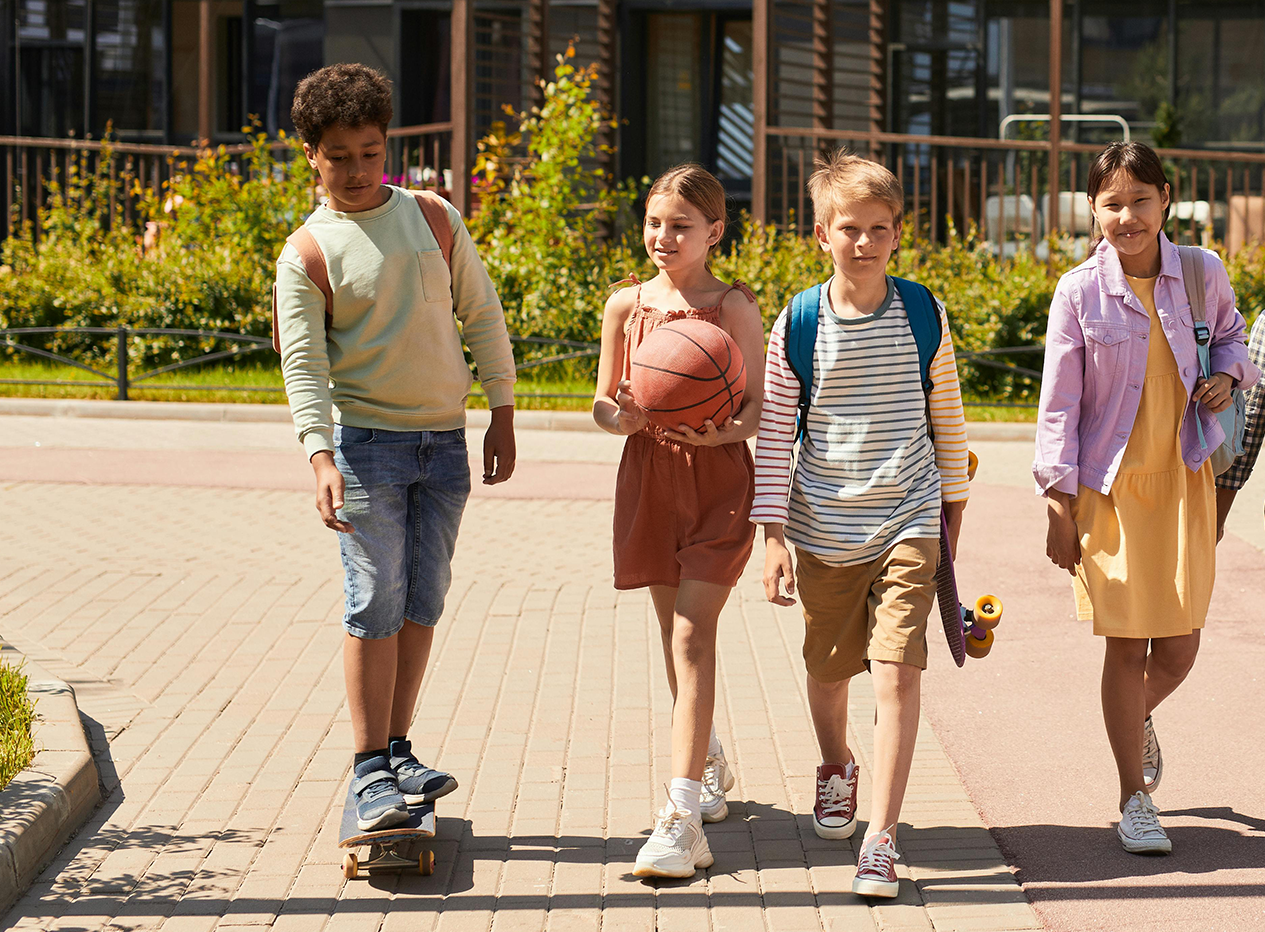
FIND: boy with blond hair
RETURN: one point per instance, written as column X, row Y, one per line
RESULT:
column 860, row 371
column 369, row 294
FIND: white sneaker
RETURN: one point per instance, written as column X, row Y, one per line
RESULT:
column 1152, row 759
column 676, row 848
column 1140, row 830
column 718, row 779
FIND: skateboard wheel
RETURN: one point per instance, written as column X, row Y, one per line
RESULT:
column 972, row 462
column 987, row 611
column 426, row 863
column 351, row 865
column 977, row 646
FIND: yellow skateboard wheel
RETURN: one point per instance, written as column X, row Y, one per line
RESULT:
column 972, row 462
column 351, row 865
column 426, row 863
column 987, row 611
column 977, row 648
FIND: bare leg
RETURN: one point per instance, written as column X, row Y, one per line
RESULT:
column 698, row 606
column 412, row 653
column 664, row 598
column 897, row 693
column 1167, row 666
column 828, row 703
column 369, row 669
column 1124, row 709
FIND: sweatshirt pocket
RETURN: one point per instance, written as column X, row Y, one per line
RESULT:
column 436, row 278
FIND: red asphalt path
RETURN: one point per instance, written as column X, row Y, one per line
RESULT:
column 1024, row 728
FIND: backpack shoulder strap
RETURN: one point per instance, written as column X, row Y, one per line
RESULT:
column 1193, row 279
column 801, row 340
column 435, row 210
column 314, row 265
column 924, row 321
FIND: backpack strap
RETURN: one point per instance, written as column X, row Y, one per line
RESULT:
column 1192, row 258
column 435, row 210
column 924, row 321
column 313, row 261
column 801, row 340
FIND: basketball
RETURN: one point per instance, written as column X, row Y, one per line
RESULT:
column 686, row 372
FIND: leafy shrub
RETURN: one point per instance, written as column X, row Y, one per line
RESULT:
column 16, row 714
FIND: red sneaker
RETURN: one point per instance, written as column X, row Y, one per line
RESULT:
column 835, row 814
column 876, row 867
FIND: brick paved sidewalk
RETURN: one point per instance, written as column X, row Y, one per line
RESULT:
column 199, row 626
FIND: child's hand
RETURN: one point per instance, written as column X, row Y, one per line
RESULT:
column 709, row 436
column 499, row 450
column 1214, row 392
column 1062, row 541
column 777, row 569
column 631, row 418
column 330, row 487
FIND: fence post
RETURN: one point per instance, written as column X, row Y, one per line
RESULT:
column 122, row 357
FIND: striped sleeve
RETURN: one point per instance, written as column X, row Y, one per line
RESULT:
column 948, row 419
column 775, row 441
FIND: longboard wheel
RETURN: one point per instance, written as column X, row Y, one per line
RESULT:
column 987, row 611
column 976, row 646
column 972, row 463
column 426, row 863
column 351, row 865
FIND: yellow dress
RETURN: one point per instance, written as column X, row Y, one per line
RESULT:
column 1148, row 547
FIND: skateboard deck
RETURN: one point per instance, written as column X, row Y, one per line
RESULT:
column 947, row 598
column 399, row 847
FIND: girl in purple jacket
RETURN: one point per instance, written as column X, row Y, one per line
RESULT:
column 1132, row 506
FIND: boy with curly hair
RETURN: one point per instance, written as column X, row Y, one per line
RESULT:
column 369, row 293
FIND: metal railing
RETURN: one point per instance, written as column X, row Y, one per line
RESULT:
column 122, row 379
column 417, row 156
column 1003, row 187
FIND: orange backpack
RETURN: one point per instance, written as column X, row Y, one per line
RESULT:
column 433, row 209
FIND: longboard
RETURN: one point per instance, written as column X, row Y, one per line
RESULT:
column 390, row 849
column 968, row 630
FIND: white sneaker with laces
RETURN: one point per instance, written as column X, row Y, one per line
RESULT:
column 876, row 867
column 676, row 848
column 1140, row 830
column 718, row 779
column 1152, row 759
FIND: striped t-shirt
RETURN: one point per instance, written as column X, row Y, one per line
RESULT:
column 867, row 475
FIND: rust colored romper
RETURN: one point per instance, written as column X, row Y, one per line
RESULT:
column 681, row 511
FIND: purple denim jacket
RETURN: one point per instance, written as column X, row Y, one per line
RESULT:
column 1095, row 363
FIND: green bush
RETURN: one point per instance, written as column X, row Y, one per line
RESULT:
column 17, row 748
column 554, row 230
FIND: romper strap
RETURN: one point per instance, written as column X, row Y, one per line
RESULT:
column 632, row 279
column 738, row 286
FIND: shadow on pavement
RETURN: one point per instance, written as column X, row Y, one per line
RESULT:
column 1089, row 854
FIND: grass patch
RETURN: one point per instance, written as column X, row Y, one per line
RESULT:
column 16, row 712
column 231, row 384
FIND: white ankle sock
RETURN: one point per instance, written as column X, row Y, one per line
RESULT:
column 713, row 745
column 684, row 795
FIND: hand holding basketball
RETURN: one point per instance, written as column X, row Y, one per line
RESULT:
column 688, row 372
column 631, row 417
column 709, row 436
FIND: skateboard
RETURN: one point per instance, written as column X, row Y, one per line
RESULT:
column 969, row 631
column 391, row 850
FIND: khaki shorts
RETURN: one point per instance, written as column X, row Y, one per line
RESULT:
column 871, row 611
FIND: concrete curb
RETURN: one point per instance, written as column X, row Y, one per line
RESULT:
column 46, row 803
column 475, row 417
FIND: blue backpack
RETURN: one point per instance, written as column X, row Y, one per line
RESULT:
column 801, row 339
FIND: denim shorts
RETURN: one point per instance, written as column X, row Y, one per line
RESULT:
column 405, row 492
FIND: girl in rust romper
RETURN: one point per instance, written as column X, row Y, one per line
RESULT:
column 683, row 498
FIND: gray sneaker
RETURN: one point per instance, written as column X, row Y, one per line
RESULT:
column 379, row 804
column 1152, row 759
column 418, row 783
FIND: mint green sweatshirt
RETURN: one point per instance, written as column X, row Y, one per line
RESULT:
column 392, row 357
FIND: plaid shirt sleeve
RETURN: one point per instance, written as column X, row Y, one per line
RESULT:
column 1238, row 474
